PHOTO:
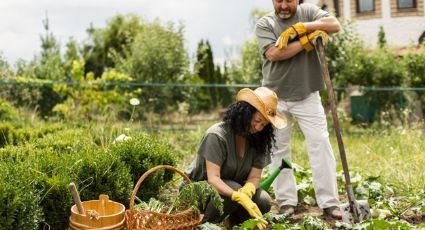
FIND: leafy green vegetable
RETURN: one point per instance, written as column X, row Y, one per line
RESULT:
column 196, row 195
column 153, row 205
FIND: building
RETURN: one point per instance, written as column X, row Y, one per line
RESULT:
column 403, row 21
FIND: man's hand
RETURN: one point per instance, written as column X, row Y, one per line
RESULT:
column 248, row 189
column 296, row 30
column 312, row 37
column 305, row 42
column 250, row 207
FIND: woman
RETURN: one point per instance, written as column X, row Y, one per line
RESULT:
column 233, row 153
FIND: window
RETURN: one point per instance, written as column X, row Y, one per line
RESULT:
column 364, row 6
column 403, row 4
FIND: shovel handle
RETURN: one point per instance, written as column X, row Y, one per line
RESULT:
column 76, row 197
column 326, row 77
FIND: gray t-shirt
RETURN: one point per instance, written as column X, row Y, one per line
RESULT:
column 218, row 146
column 295, row 78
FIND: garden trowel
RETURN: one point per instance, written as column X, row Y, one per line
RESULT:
column 354, row 211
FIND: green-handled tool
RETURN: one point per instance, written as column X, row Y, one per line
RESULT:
column 266, row 183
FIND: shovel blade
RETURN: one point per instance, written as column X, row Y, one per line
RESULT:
column 363, row 210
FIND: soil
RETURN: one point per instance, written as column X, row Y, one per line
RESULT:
column 306, row 210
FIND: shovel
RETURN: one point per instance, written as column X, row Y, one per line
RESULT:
column 354, row 211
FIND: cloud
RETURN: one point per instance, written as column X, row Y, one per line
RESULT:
column 228, row 41
column 224, row 23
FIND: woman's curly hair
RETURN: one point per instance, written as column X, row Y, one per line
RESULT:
column 239, row 116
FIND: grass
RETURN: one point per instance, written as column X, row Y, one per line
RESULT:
column 395, row 155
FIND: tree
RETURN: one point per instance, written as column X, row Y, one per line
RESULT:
column 157, row 55
column 251, row 62
column 114, row 40
column 382, row 41
column 71, row 55
column 46, row 66
column 205, row 69
column 5, row 71
column 224, row 95
column 414, row 69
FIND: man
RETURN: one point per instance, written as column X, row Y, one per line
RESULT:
column 291, row 68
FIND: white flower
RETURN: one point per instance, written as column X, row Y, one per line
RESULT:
column 134, row 101
column 122, row 137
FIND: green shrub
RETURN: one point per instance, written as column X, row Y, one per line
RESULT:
column 32, row 93
column 93, row 98
column 13, row 133
column 49, row 176
column 56, row 199
column 94, row 173
column 141, row 153
column 7, row 111
column 414, row 70
column 72, row 140
column 52, row 162
column 6, row 134
column 19, row 207
column 99, row 172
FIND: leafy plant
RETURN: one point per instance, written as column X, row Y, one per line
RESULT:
column 153, row 205
column 141, row 153
column 208, row 226
column 7, row 111
column 305, row 187
column 383, row 225
column 196, row 195
column 313, row 223
column 20, row 203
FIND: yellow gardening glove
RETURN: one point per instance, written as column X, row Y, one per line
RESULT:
column 308, row 46
column 250, row 207
column 248, row 189
column 296, row 30
column 312, row 37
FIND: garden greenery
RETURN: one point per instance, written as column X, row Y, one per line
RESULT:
column 35, row 173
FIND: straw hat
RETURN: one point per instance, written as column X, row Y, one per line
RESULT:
column 265, row 101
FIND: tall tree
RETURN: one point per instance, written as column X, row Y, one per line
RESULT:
column 72, row 54
column 205, row 69
column 157, row 55
column 47, row 65
column 224, row 95
column 382, row 40
column 114, row 40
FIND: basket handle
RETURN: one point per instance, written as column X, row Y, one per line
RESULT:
column 147, row 173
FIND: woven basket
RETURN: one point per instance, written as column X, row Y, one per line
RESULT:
column 146, row 219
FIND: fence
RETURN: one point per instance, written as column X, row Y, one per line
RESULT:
column 171, row 102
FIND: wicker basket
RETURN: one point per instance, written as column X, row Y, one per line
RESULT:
column 146, row 219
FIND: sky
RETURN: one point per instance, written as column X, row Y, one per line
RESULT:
column 225, row 23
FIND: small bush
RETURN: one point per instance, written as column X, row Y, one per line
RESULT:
column 99, row 172
column 67, row 141
column 19, row 207
column 6, row 134
column 142, row 153
column 7, row 111
column 12, row 133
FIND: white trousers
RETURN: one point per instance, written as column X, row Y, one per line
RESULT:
column 311, row 118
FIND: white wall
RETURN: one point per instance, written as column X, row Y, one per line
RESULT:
column 402, row 31
column 399, row 31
